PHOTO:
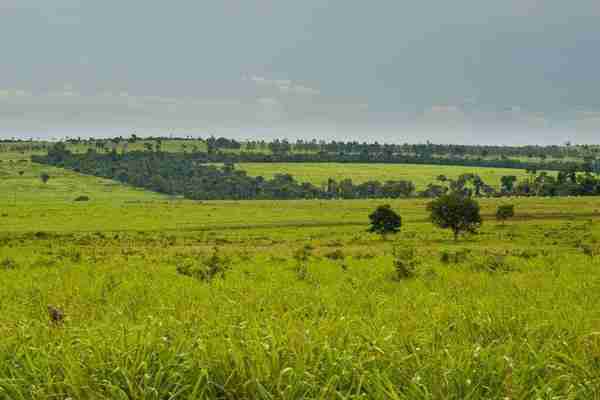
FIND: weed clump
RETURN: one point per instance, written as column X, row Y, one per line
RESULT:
column 405, row 262
column 589, row 249
column 213, row 267
column 302, row 256
column 8, row 264
column 56, row 315
column 454, row 257
column 335, row 255
column 494, row 264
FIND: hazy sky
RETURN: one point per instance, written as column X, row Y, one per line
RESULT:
column 461, row 71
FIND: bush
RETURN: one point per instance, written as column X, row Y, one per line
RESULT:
column 8, row 263
column 405, row 262
column 384, row 220
column 302, row 256
column 505, row 212
column 45, row 177
column 211, row 268
column 456, row 257
column 589, row 249
column 82, row 198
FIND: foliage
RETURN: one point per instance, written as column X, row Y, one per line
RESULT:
column 8, row 263
column 45, row 177
column 82, row 198
column 405, row 262
column 455, row 212
column 493, row 263
column 454, row 257
column 505, row 211
column 134, row 328
column 213, row 267
column 302, row 257
column 189, row 175
column 384, row 220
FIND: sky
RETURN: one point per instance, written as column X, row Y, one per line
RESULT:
column 462, row 71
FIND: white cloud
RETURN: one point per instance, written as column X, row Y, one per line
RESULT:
column 285, row 86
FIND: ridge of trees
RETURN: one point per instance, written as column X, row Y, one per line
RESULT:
column 220, row 149
column 187, row 174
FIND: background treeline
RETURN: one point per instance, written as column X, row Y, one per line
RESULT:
column 187, row 174
column 220, row 149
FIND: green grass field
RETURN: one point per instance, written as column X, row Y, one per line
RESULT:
column 513, row 312
column 420, row 175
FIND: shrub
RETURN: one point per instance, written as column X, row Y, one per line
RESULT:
column 82, row 198
column 45, row 177
column 589, row 249
column 454, row 257
column 302, row 256
column 8, row 263
column 504, row 212
column 405, row 262
column 211, row 268
column 384, row 220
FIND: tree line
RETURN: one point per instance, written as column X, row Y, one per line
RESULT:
column 222, row 150
column 188, row 174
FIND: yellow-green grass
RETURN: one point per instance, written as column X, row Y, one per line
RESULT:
column 277, row 327
column 420, row 175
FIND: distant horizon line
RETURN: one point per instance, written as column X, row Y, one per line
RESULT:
column 270, row 140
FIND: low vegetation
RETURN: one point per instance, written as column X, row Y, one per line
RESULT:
column 139, row 295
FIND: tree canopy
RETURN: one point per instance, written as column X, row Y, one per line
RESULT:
column 456, row 212
column 384, row 220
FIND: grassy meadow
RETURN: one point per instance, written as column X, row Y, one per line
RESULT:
column 309, row 304
column 420, row 175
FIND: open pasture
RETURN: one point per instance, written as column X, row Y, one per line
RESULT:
column 310, row 305
column 420, row 175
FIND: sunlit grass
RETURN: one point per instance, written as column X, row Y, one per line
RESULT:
column 348, row 328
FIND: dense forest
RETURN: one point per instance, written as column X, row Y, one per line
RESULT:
column 224, row 150
column 187, row 174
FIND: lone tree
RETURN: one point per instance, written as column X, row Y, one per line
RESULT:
column 504, row 212
column 384, row 220
column 456, row 212
column 44, row 177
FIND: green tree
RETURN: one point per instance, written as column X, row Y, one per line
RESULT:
column 504, row 212
column 507, row 183
column 456, row 212
column 384, row 220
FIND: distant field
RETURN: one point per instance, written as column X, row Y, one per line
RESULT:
column 64, row 185
column 420, row 175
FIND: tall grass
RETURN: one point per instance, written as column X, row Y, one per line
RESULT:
column 513, row 312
